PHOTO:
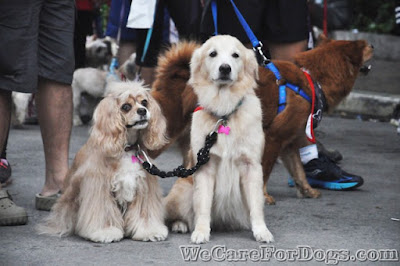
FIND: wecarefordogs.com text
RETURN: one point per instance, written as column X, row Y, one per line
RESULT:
column 300, row 253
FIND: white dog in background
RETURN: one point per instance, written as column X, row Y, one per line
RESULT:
column 94, row 81
column 227, row 192
column 108, row 195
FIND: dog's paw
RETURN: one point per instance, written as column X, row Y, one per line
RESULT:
column 262, row 234
column 308, row 193
column 200, row 236
column 158, row 233
column 106, row 235
column 269, row 199
column 179, row 227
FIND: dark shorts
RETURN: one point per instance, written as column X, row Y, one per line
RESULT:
column 186, row 15
column 36, row 40
column 278, row 21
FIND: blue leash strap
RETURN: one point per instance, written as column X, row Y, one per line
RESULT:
column 215, row 16
column 274, row 70
column 148, row 36
column 257, row 45
column 253, row 39
column 299, row 91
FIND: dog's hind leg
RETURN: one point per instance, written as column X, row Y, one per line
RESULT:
column 179, row 206
column 271, row 153
column 292, row 161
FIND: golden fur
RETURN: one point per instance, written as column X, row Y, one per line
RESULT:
column 334, row 64
column 227, row 191
column 106, row 195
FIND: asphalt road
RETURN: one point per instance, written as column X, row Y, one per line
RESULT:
column 327, row 228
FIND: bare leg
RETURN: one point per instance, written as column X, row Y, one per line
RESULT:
column 5, row 116
column 286, row 51
column 126, row 48
column 148, row 75
column 54, row 108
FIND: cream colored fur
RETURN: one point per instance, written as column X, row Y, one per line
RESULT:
column 106, row 195
column 227, row 191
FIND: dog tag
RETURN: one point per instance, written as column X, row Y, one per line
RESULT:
column 224, row 129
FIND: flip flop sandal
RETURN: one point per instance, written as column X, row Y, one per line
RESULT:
column 44, row 203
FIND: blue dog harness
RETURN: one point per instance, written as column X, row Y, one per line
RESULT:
column 282, row 88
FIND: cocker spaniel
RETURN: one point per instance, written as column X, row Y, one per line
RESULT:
column 108, row 195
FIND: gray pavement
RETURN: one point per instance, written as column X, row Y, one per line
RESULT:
column 350, row 220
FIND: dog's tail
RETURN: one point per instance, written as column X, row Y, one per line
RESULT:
column 174, row 63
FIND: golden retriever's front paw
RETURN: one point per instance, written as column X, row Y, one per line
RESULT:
column 262, row 234
column 200, row 236
column 106, row 235
column 158, row 233
column 179, row 227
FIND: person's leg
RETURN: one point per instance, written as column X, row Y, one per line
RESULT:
column 5, row 118
column 286, row 51
column 54, row 108
column 126, row 49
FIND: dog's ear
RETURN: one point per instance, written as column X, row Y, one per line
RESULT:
column 322, row 39
column 154, row 135
column 195, row 65
column 108, row 131
column 250, row 64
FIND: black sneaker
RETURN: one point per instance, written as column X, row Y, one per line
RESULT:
column 5, row 172
column 324, row 173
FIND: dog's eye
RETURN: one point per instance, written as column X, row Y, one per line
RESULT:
column 126, row 107
column 144, row 103
column 235, row 55
column 213, row 54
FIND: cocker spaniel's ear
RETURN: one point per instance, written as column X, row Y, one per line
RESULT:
column 154, row 136
column 108, row 131
column 250, row 64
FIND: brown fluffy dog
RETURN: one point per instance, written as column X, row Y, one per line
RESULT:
column 108, row 195
column 334, row 64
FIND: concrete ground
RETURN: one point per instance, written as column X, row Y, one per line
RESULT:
column 347, row 221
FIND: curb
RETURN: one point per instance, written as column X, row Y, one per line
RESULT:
column 374, row 105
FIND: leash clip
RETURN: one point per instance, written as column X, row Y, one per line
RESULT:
column 261, row 58
column 147, row 159
column 219, row 122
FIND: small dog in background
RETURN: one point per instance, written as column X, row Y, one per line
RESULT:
column 108, row 195
column 98, row 52
column 20, row 108
column 93, row 81
column 226, row 193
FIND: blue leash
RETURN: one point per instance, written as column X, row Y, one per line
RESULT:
column 257, row 45
column 148, row 37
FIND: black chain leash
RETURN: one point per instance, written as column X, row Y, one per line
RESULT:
column 203, row 156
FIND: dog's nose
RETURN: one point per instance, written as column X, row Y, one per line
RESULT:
column 141, row 111
column 372, row 46
column 225, row 69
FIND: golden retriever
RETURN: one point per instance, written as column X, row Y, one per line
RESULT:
column 108, row 195
column 227, row 191
column 334, row 64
